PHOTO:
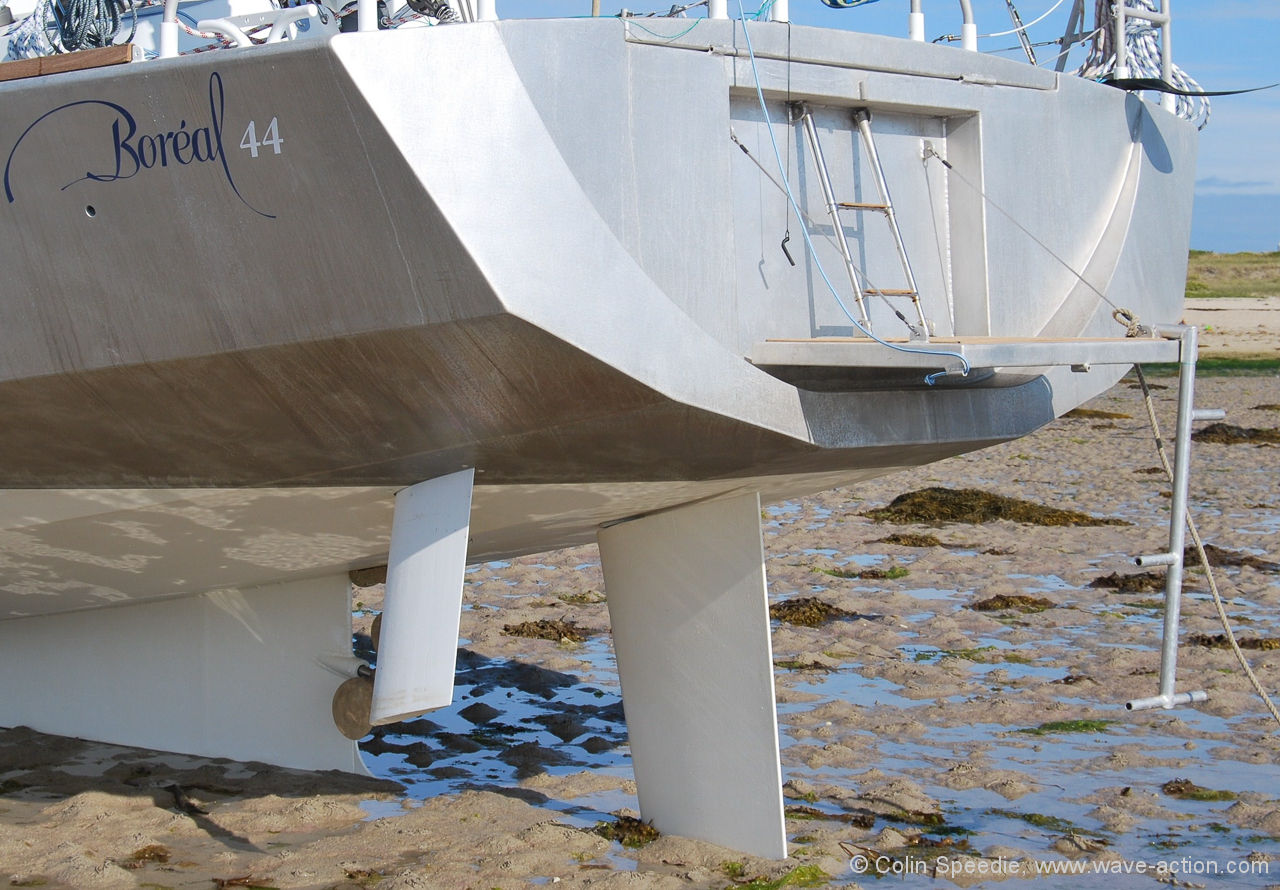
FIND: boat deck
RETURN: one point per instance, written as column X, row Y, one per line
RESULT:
column 979, row 352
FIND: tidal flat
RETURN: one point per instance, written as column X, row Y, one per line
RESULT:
column 918, row 732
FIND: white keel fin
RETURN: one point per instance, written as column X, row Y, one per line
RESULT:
column 418, row 650
column 690, row 615
column 230, row 673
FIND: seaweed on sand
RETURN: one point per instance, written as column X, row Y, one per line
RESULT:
column 865, row 821
column 906, row 539
column 546, row 629
column 892, row 573
column 1220, row 556
column 807, row 611
column 1068, row 726
column 1018, row 602
column 1185, row 789
column 628, row 831
column 1220, row 641
column 1093, row 413
column 1229, row 434
column 1137, row 582
column 975, row 506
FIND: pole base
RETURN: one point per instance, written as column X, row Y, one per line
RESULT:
column 1167, row 701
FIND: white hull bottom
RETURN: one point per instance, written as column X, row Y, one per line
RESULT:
column 242, row 673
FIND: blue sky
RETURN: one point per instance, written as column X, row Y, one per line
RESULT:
column 1224, row 44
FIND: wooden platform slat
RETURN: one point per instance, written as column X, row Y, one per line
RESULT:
column 118, row 54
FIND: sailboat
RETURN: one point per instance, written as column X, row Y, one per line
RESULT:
column 293, row 291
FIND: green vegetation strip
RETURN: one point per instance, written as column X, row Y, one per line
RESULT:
column 1212, row 275
column 1185, row 789
column 890, row 574
column 1054, row 824
column 1222, row 366
column 1068, row 726
column 800, row 876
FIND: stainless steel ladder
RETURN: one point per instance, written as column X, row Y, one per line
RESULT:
column 862, row 117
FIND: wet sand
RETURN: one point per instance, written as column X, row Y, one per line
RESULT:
column 918, row 728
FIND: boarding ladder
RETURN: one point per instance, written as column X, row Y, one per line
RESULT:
column 803, row 114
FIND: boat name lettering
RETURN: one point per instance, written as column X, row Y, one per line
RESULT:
column 132, row 152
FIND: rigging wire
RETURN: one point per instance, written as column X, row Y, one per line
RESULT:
column 1023, row 28
column 931, row 153
column 930, row 379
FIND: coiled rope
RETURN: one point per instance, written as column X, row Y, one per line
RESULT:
column 1142, row 39
column 62, row 26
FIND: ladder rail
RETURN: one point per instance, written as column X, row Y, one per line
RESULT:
column 863, row 119
column 833, row 210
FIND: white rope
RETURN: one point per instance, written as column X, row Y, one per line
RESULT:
column 1143, row 44
column 30, row 38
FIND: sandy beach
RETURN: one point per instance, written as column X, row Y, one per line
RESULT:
column 925, row 728
column 1239, row 326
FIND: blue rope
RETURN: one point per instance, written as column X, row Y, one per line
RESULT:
column 633, row 23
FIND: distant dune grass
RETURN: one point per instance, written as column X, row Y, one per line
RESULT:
column 1233, row 274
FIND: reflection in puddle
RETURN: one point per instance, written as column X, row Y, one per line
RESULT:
column 510, row 721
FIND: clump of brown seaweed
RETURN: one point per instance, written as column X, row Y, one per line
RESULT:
column 1017, row 602
column 972, row 505
column 1136, row 582
column 807, row 611
column 1229, row 434
column 547, row 629
column 1220, row 641
column 906, row 539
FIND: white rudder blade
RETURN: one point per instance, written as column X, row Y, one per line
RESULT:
column 690, row 615
column 418, row 651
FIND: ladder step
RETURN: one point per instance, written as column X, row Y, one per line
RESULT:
column 853, row 205
column 891, row 291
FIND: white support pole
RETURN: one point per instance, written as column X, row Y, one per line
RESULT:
column 486, row 10
column 780, row 11
column 969, row 27
column 417, row 654
column 690, row 616
column 915, row 21
column 1174, row 557
column 168, row 48
column 1120, row 41
column 1167, row 101
column 367, row 15
column 717, row 9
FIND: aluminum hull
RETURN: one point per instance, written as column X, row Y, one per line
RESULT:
column 262, row 305
column 553, row 279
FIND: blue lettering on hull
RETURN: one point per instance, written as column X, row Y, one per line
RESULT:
column 133, row 152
